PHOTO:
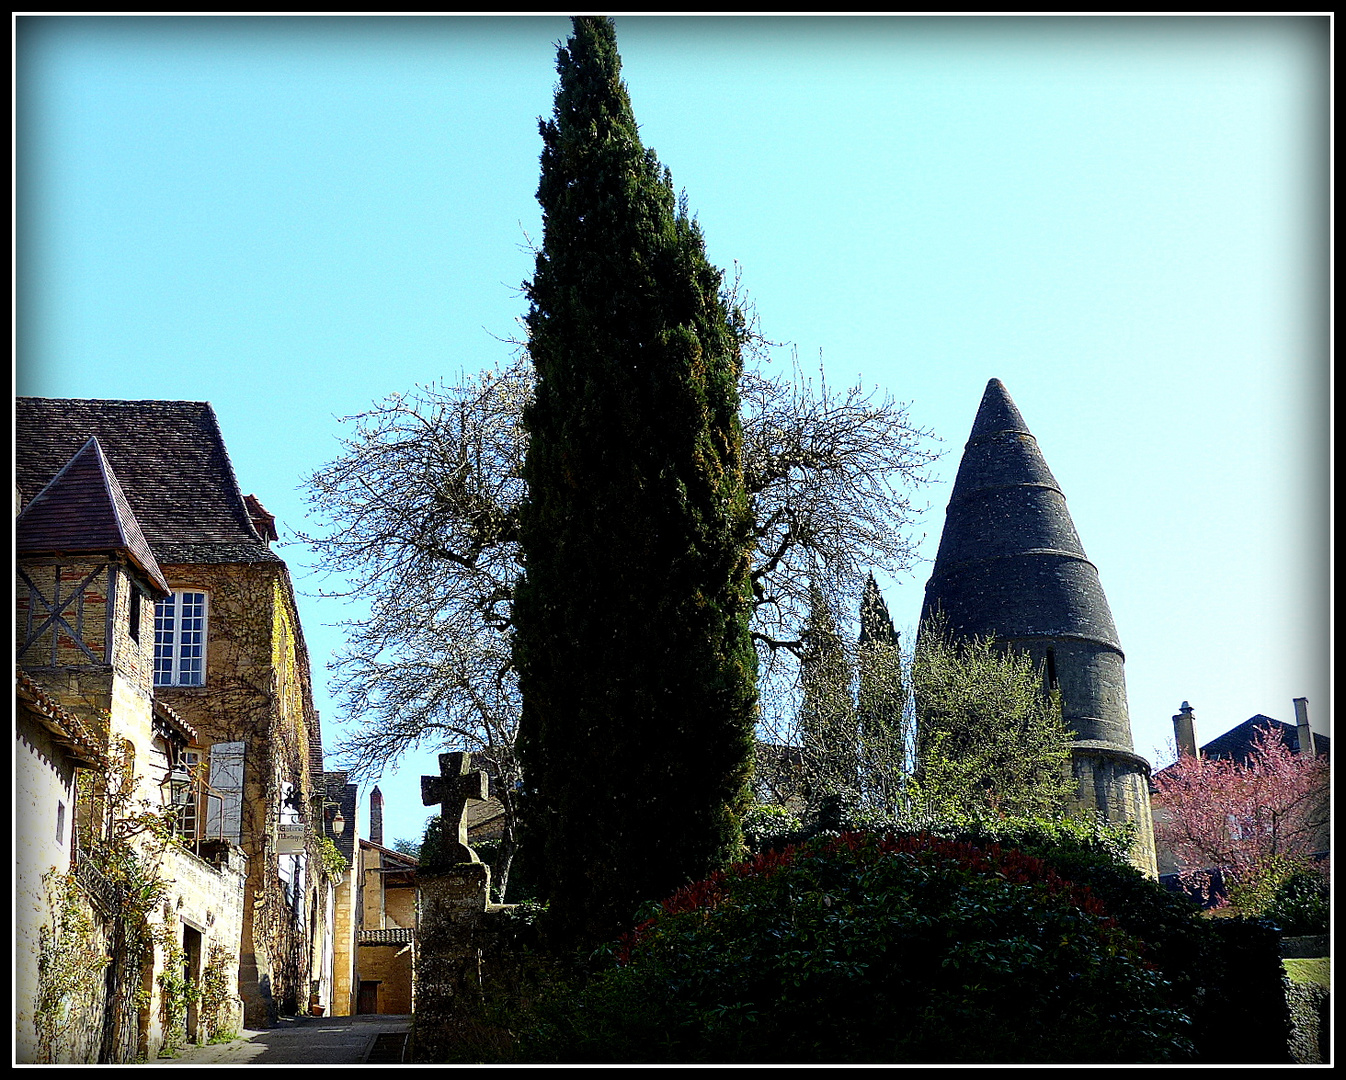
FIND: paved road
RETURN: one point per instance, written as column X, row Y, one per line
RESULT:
column 306, row 1040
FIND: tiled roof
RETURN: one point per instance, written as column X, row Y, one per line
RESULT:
column 172, row 722
column 83, row 509
column 1010, row 563
column 170, row 459
column 67, row 729
column 1237, row 743
column 389, row 856
column 263, row 521
column 315, row 757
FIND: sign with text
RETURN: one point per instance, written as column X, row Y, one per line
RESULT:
column 290, row 837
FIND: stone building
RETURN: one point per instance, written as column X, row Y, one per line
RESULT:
column 373, row 911
column 1011, row 566
column 51, row 743
column 337, row 998
column 226, row 654
column 386, row 917
column 99, row 761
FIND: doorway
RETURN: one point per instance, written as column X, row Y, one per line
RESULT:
column 191, row 963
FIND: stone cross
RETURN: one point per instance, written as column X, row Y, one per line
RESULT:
column 454, row 788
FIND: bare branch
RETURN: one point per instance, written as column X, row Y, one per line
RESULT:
column 419, row 518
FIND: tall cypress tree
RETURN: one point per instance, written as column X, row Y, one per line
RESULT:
column 635, row 664
column 882, row 696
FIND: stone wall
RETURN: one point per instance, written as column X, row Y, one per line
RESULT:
column 257, row 692
column 343, row 947
column 390, row 966
column 466, row 949
column 1117, row 786
column 208, row 899
column 399, row 905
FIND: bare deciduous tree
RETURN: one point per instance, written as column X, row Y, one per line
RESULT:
column 418, row 518
column 419, row 515
column 830, row 474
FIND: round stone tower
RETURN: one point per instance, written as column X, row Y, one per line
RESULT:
column 1011, row 566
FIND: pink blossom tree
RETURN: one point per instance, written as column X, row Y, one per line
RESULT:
column 1255, row 822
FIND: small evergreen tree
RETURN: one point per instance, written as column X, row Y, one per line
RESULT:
column 636, row 669
column 828, row 729
column 989, row 739
column 882, row 704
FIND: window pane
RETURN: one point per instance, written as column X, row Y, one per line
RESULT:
column 164, row 618
column 192, row 640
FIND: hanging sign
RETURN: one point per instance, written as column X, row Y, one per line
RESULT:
column 289, row 837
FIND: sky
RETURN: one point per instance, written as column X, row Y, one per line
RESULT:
column 1126, row 220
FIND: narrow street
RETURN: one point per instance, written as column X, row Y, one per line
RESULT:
column 308, row 1040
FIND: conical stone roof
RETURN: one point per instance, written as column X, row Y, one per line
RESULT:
column 1010, row 563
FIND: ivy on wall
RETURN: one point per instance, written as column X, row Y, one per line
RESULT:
column 71, row 960
column 215, row 994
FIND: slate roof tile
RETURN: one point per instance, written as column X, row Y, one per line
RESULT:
column 1010, row 563
column 170, row 459
column 346, row 797
column 83, row 509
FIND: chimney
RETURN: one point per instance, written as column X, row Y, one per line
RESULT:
column 1184, row 732
column 1306, row 746
column 376, row 817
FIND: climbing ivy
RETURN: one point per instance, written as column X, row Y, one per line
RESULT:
column 121, row 857
column 215, row 986
column 177, row 990
column 333, row 862
column 70, row 965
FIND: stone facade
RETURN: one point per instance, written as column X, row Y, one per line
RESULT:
column 1011, row 566
column 85, row 647
column 256, row 693
column 387, row 938
column 242, row 719
column 342, row 798
column 45, row 765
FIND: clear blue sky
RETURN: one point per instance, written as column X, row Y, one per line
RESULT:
column 1124, row 219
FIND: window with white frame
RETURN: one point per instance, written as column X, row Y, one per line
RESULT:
column 180, row 639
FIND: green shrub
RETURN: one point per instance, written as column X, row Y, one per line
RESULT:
column 1223, row 973
column 766, row 826
column 867, row 949
column 1302, row 904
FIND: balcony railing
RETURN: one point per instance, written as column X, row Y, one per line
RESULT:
column 105, row 894
column 397, row 935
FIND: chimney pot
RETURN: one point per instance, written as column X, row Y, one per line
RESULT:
column 1184, row 732
column 1303, row 729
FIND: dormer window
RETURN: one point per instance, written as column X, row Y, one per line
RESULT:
column 180, row 640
